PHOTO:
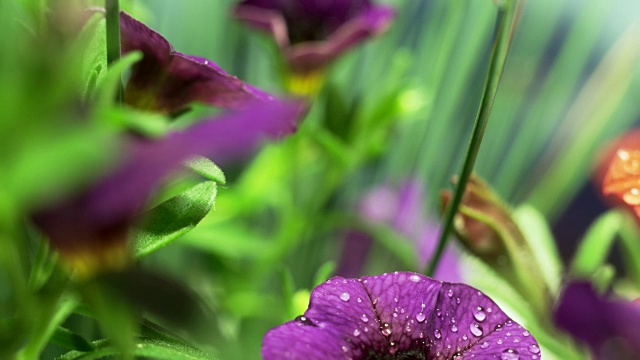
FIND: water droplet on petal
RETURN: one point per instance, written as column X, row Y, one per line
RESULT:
column 359, row 300
column 454, row 328
column 458, row 300
column 509, row 354
column 421, row 317
column 534, row 349
column 393, row 347
column 356, row 332
column 450, row 293
column 465, row 337
column 414, row 278
column 344, row 348
column 484, row 345
column 345, row 296
column 476, row 330
column 479, row 314
column 526, row 333
column 632, row 197
column 386, row 329
column 303, row 320
column 437, row 334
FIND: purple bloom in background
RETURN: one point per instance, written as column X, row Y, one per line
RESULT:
column 399, row 316
column 168, row 81
column 401, row 209
column 611, row 328
column 90, row 229
column 310, row 33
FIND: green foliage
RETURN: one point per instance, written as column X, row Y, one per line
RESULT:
column 151, row 348
column 174, row 218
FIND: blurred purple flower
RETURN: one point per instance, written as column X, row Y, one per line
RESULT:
column 402, row 210
column 310, row 33
column 399, row 316
column 168, row 81
column 611, row 328
column 90, row 228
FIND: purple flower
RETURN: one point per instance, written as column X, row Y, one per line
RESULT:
column 311, row 33
column 401, row 209
column 399, row 316
column 90, row 228
column 168, row 81
column 611, row 328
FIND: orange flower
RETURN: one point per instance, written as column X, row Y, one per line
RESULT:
column 621, row 169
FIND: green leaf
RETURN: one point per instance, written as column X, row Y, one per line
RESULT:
column 144, row 347
column 206, row 168
column 94, row 59
column 537, row 233
column 324, row 272
column 174, row 218
column 595, row 245
column 70, row 340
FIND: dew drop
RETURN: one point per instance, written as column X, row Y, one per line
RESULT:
column 393, row 347
column 421, row 335
column 366, row 329
column 414, row 278
column 303, row 320
column 454, row 328
column 526, row 333
column 345, row 349
column 437, row 334
column 632, row 197
column 450, row 293
column 364, row 318
column 534, row 349
column 395, row 315
column 407, row 328
column 458, row 300
column 509, row 354
column 395, row 299
column 386, row 329
column 345, row 296
column 359, row 300
column 465, row 337
column 484, row 345
column 479, row 314
column 499, row 341
column 421, row 317
column 476, row 330
column 356, row 332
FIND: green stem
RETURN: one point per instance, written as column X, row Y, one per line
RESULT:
column 504, row 33
column 112, row 8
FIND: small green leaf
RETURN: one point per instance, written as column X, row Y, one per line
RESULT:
column 174, row 218
column 144, row 347
column 537, row 233
column 324, row 272
column 595, row 245
column 94, row 59
column 205, row 167
column 70, row 340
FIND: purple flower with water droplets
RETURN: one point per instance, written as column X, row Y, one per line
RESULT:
column 310, row 33
column 611, row 328
column 168, row 81
column 90, row 228
column 399, row 316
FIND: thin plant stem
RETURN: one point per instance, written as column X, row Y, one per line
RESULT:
column 504, row 33
column 112, row 8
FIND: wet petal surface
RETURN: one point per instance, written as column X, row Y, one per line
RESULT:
column 398, row 315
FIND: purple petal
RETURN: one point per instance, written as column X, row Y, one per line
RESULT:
column 398, row 314
column 598, row 322
column 168, row 81
column 114, row 201
column 311, row 34
column 313, row 56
